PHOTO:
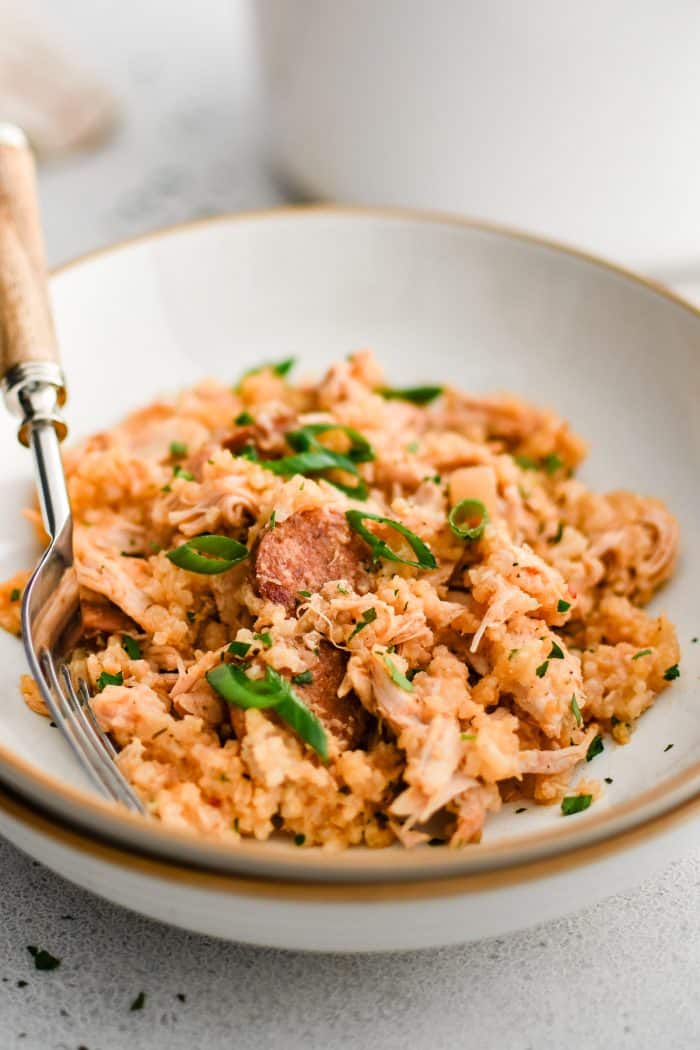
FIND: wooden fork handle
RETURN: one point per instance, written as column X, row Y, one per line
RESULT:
column 26, row 327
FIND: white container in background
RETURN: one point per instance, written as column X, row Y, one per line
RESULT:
column 578, row 121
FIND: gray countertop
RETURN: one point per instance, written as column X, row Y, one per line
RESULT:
column 621, row 974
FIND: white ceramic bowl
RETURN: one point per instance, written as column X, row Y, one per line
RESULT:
column 436, row 299
column 578, row 121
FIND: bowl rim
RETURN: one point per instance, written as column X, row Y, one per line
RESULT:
column 95, row 820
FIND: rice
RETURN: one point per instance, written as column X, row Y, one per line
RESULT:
column 436, row 661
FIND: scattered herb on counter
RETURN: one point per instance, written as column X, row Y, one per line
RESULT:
column 181, row 996
column 668, row 747
column 575, row 804
column 594, row 748
column 608, row 780
column 139, row 1002
column 105, row 678
column 43, row 960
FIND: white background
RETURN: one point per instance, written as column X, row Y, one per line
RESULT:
column 623, row 974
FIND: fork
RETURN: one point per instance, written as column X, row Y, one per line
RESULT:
column 34, row 389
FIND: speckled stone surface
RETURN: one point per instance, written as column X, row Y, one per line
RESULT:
column 620, row 975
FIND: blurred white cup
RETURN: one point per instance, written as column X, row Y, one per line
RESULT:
column 576, row 120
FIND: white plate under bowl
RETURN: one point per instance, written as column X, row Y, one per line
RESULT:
column 436, row 298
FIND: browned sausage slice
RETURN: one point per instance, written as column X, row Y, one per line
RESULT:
column 343, row 716
column 305, row 551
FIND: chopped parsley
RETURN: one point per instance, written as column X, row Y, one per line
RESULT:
column 575, row 804
column 299, row 840
column 521, row 809
column 541, row 671
column 105, row 678
column 552, row 463
column 576, row 710
column 608, row 780
column 342, row 589
column 43, row 960
column 181, row 996
column 368, row 616
column 303, row 678
column 513, row 653
column 244, row 419
column 190, row 616
column 14, row 594
column 467, row 736
column 563, row 606
column 526, row 462
column 668, row 747
column 265, row 638
column 239, row 648
column 556, row 538
column 594, row 748
column 304, row 594
column 694, row 640
column 131, row 647
column 556, row 653
column 273, row 520
column 672, row 672
column 186, row 475
column 139, row 1002
column 642, row 652
column 178, row 449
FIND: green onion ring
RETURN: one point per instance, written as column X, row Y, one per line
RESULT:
column 208, row 554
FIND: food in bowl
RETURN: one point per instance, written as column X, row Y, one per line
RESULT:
column 358, row 614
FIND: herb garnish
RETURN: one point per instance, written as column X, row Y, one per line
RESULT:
column 304, row 594
column 467, row 736
column 105, row 678
column 178, row 449
column 575, row 804
column 513, row 653
column 556, row 538
column 526, row 462
column 43, row 960
column 265, row 638
column 552, row 463
column 668, row 747
column 576, row 710
column 303, row 678
column 131, row 647
column 521, row 809
column 271, row 692
column 186, row 475
column 244, row 419
column 556, row 653
column 541, row 671
column 368, row 616
column 563, row 606
column 642, row 652
column 279, row 368
column 672, row 672
column 208, row 554
column 608, row 780
column 468, row 519
column 594, row 748
column 14, row 594
column 239, row 648
column 396, row 676
column 139, row 1002
column 417, row 395
column 299, row 840
column 425, row 558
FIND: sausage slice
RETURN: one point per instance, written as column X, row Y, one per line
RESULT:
column 305, row 551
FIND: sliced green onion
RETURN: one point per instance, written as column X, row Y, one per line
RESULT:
column 208, row 554
column 265, row 638
column 575, row 804
column 105, row 678
column 305, row 440
column 396, row 676
column 465, row 511
column 552, row 463
column 576, row 710
column 641, row 653
column 280, row 368
column 317, row 462
column 239, row 648
column 178, row 449
column 273, row 691
column 368, row 616
column 131, row 647
column 595, row 747
column 417, row 395
column 303, row 678
column 425, row 559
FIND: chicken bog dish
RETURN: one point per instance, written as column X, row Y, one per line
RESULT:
column 355, row 614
